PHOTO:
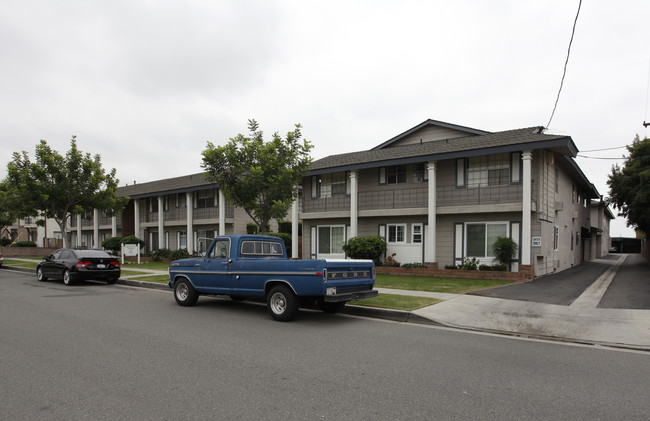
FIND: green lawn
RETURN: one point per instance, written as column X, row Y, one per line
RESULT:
column 396, row 302
column 22, row 264
column 147, row 265
column 421, row 283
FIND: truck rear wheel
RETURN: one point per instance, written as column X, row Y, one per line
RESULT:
column 281, row 303
column 331, row 307
column 184, row 293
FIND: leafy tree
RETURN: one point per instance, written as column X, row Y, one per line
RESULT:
column 132, row 239
column 260, row 177
column 629, row 187
column 56, row 186
column 8, row 214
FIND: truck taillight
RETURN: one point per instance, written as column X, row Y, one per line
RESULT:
column 325, row 275
column 373, row 272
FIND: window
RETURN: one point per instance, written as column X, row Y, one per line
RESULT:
column 488, row 170
column 421, row 172
column 392, row 175
column 556, row 238
column 328, row 185
column 396, row 233
column 330, row 239
column 221, row 249
column 181, row 239
column 206, row 199
column 460, row 172
column 481, row 237
column 153, row 204
column 181, row 200
column 515, row 167
column 262, row 248
column 416, row 233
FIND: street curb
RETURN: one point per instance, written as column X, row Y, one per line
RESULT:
column 144, row 284
column 18, row 269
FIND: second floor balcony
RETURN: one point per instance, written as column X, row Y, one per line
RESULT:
column 418, row 197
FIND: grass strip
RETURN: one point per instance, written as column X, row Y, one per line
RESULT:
column 22, row 263
column 397, row 302
column 447, row 285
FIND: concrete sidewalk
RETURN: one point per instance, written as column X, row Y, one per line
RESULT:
column 581, row 321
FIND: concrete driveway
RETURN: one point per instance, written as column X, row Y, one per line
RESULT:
column 629, row 289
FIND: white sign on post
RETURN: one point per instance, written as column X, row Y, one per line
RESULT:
column 130, row 250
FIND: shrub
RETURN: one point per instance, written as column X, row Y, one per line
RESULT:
column 286, row 227
column 179, row 254
column 390, row 261
column 500, row 267
column 160, row 254
column 132, row 239
column 24, row 244
column 469, row 264
column 414, row 266
column 451, row 267
column 485, row 267
column 113, row 244
column 504, row 249
column 366, row 248
column 4, row 242
column 252, row 228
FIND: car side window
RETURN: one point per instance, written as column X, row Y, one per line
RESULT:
column 66, row 255
column 56, row 255
column 220, row 249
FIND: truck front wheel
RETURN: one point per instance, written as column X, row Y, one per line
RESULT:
column 281, row 303
column 184, row 293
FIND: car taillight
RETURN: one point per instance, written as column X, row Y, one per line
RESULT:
column 83, row 264
column 115, row 263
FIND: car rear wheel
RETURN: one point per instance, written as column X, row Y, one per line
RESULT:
column 185, row 294
column 66, row 278
column 112, row 279
column 40, row 275
column 281, row 303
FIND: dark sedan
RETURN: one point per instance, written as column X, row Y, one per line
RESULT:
column 72, row 265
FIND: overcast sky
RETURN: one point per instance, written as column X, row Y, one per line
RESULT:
column 146, row 84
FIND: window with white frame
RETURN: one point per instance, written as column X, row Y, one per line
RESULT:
column 181, row 239
column 481, row 237
column 421, row 172
column 396, row 233
column 331, row 239
column 416, row 233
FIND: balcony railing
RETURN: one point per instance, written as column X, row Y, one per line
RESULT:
column 418, row 198
column 180, row 214
column 507, row 193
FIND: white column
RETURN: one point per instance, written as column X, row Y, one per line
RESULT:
column 114, row 226
column 354, row 204
column 95, row 244
column 527, row 157
column 430, row 244
column 189, row 205
column 161, row 222
column 79, row 216
column 136, row 216
column 294, row 229
column 222, row 213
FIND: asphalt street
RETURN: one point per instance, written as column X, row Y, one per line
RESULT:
column 97, row 351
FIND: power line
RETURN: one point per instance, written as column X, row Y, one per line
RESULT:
column 573, row 31
column 606, row 149
column 595, row 157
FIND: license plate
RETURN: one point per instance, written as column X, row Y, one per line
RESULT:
column 101, row 266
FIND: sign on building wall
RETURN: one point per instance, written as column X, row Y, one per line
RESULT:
column 537, row 241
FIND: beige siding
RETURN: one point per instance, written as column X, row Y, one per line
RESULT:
column 430, row 134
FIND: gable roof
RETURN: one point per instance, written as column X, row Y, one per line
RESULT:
column 529, row 138
column 429, row 123
column 181, row 184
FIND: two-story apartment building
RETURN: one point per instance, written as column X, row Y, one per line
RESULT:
column 439, row 193
column 162, row 213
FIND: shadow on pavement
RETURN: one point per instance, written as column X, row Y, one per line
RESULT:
column 630, row 288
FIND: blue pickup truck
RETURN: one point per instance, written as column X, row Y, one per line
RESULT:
column 243, row 266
